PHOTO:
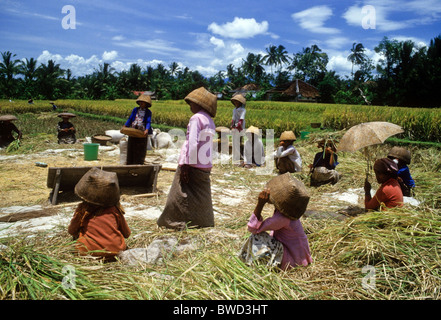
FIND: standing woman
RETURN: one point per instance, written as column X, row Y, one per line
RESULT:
column 189, row 201
column 140, row 118
column 238, row 123
column 66, row 130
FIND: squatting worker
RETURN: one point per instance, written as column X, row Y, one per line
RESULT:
column 189, row 202
column 389, row 194
column 98, row 224
column 66, row 130
column 140, row 118
column 6, row 129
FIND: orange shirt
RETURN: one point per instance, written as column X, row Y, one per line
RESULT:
column 389, row 193
column 104, row 230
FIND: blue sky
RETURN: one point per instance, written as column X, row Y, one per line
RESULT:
column 205, row 35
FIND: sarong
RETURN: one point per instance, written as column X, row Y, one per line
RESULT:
column 322, row 175
column 261, row 248
column 188, row 204
column 136, row 150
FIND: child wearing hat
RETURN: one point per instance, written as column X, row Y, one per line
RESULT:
column 389, row 193
column 287, row 246
column 66, row 130
column 402, row 158
column 254, row 153
column 286, row 156
column 98, row 224
column 189, row 202
column 323, row 167
column 140, row 118
column 6, row 129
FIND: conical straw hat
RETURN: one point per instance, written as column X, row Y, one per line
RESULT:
column 240, row 98
column 203, row 98
column 254, row 130
column 400, row 153
column 99, row 187
column 8, row 117
column 288, row 195
column 145, row 98
column 66, row 115
column 288, row 135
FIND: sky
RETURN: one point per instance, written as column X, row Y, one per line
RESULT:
column 205, row 35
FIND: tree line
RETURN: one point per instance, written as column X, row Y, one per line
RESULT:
column 406, row 75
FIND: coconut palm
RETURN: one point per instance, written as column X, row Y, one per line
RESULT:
column 9, row 67
column 357, row 55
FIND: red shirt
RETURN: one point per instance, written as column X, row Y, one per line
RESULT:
column 104, row 231
column 389, row 193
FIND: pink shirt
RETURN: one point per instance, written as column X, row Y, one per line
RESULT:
column 290, row 233
column 197, row 150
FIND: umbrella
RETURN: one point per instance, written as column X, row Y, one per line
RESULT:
column 366, row 134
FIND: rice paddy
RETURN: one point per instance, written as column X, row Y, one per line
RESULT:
column 393, row 255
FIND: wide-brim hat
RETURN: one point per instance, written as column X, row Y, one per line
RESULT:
column 401, row 154
column 222, row 129
column 253, row 129
column 204, row 99
column 66, row 115
column 8, row 117
column 240, row 98
column 288, row 135
column 99, row 187
column 289, row 195
column 145, row 98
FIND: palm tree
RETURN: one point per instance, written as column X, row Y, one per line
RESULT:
column 49, row 78
column 9, row 67
column 282, row 55
column 271, row 58
column 174, row 68
column 252, row 67
column 357, row 55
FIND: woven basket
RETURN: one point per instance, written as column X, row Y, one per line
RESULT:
column 101, row 139
column 288, row 195
column 132, row 132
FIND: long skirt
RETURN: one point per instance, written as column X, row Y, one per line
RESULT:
column 261, row 248
column 188, row 204
column 136, row 150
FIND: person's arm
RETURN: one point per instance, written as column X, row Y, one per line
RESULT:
column 131, row 118
column 147, row 121
column 191, row 153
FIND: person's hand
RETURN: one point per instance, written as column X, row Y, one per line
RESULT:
column 263, row 196
column 146, row 132
column 185, row 173
column 367, row 187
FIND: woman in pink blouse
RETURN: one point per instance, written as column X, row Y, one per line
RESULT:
column 189, row 201
column 289, row 232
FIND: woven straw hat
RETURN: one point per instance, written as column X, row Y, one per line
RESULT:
column 203, row 98
column 288, row 135
column 99, row 187
column 66, row 115
column 288, row 195
column 401, row 154
column 8, row 117
column 145, row 98
column 254, row 130
column 223, row 129
column 240, row 98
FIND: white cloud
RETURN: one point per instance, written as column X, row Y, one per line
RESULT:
column 313, row 19
column 240, row 28
column 110, row 55
column 118, row 38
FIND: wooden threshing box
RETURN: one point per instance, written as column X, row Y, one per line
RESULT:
column 143, row 177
